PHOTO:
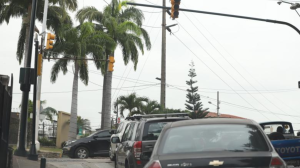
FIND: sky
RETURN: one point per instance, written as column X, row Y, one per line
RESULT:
column 254, row 65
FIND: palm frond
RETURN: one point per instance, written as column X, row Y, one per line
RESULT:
column 146, row 38
column 60, row 65
column 134, row 14
column 21, row 43
column 90, row 14
column 128, row 26
column 84, row 73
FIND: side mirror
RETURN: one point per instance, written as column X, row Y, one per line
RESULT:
column 112, row 131
column 115, row 140
column 95, row 136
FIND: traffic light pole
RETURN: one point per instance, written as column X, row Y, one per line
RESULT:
column 39, row 79
column 32, row 153
column 163, row 59
column 25, row 87
column 221, row 14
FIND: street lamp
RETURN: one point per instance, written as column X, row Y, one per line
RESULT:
column 158, row 78
column 294, row 6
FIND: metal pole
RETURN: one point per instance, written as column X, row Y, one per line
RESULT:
column 26, row 88
column 43, row 130
column 218, row 102
column 39, row 79
column 221, row 14
column 163, row 59
column 117, row 112
column 32, row 153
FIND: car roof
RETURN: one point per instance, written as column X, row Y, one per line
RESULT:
column 275, row 122
column 163, row 118
column 207, row 121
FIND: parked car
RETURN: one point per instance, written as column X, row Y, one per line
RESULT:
column 218, row 142
column 283, row 139
column 95, row 144
column 119, row 133
column 135, row 147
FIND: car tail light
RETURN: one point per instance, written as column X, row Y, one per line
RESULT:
column 155, row 164
column 276, row 162
column 137, row 151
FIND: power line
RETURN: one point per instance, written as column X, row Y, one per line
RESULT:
column 214, row 72
column 232, row 67
column 236, row 61
column 224, row 69
column 240, row 106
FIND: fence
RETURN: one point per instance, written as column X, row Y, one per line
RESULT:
column 5, row 111
column 48, row 130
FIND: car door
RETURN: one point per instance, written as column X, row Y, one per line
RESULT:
column 124, row 146
column 101, row 142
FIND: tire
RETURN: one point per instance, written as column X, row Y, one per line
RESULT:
column 81, row 153
column 112, row 156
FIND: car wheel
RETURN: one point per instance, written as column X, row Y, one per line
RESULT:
column 111, row 155
column 82, row 153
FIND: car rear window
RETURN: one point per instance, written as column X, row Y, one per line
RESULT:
column 152, row 130
column 220, row 137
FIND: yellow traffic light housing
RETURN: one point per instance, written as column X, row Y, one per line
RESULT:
column 111, row 63
column 50, row 38
column 175, row 8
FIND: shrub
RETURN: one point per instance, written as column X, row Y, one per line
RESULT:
column 46, row 142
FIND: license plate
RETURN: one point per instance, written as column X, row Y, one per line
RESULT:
column 292, row 162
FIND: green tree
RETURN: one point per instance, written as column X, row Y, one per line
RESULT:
column 150, row 107
column 193, row 103
column 85, row 124
column 49, row 112
column 57, row 15
column 76, row 45
column 123, row 24
column 132, row 103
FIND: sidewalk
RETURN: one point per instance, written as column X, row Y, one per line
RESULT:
column 23, row 162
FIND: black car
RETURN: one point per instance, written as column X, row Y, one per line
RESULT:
column 135, row 147
column 218, row 142
column 95, row 144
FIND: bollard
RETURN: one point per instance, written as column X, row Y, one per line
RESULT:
column 43, row 163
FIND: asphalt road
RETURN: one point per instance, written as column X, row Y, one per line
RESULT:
column 79, row 163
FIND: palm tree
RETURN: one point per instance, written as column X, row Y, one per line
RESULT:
column 123, row 24
column 57, row 15
column 49, row 112
column 150, row 107
column 85, row 124
column 132, row 103
column 76, row 45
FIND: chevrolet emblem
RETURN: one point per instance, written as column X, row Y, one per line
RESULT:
column 216, row 163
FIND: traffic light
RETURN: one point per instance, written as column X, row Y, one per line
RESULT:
column 50, row 38
column 111, row 63
column 299, row 84
column 39, row 65
column 175, row 8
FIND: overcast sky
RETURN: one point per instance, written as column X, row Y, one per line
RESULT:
column 254, row 65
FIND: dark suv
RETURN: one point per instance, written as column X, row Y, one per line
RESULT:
column 135, row 147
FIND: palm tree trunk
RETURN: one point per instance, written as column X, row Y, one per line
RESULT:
column 106, row 110
column 27, row 22
column 73, row 119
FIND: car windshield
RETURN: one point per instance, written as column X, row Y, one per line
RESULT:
column 92, row 134
column 220, row 137
column 152, row 130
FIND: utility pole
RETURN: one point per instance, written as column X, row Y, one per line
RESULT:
column 25, row 82
column 218, row 104
column 39, row 79
column 163, row 59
